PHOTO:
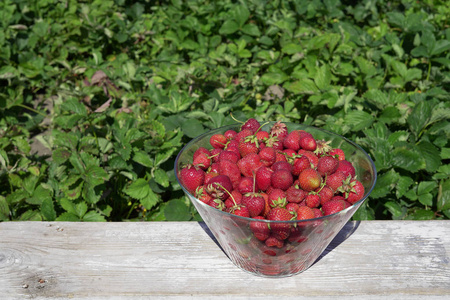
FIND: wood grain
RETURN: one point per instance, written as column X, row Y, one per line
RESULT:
column 171, row 260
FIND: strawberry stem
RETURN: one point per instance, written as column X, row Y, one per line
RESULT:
column 226, row 191
column 236, row 119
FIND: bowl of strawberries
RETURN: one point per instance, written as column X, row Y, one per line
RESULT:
column 274, row 194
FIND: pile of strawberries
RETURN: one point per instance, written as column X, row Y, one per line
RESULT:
column 274, row 175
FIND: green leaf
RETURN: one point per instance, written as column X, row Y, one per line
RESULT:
column 303, row 86
column 241, row 13
column 161, row 177
column 422, row 214
column 426, row 199
column 229, row 27
column 395, row 209
column 274, row 78
column 163, row 156
column 48, row 210
column 67, row 217
column 143, row 158
column 425, row 187
column 92, row 216
column 323, row 77
column 177, row 210
column 60, row 155
column 407, row 159
column 431, row 156
column 441, row 46
column 30, row 215
column 385, row 183
column 150, row 200
column 358, row 120
column 192, row 128
column 251, row 29
column 4, row 209
column 443, row 199
column 138, row 189
column 75, row 106
column 419, row 117
column 403, row 184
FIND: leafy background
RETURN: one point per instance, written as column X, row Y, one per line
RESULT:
column 97, row 97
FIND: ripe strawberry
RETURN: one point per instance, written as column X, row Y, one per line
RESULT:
column 234, row 199
column 307, row 141
column 356, row 191
column 309, row 180
column 233, row 148
column 202, row 161
column 219, row 187
column 282, row 179
column 254, row 202
column 274, row 241
column 267, row 156
column 241, row 135
column 245, row 185
column 313, row 159
column 282, row 165
column 218, row 141
column 262, row 135
column 312, row 200
column 317, row 213
column 280, row 230
column 305, row 213
column 337, row 152
column 251, row 124
column 292, row 207
column 229, row 155
column 277, row 198
column 239, row 210
column 323, row 148
column 300, row 163
column 267, row 207
column 230, row 134
column 327, row 165
column 292, row 140
column 202, row 195
column 325, row 193
column 295, row 194
column 279, row 130
column 263, row 178
column 260, row 229
column 200, row 151
column 191, row 178
column 275, row 143
column 333, row 206
column 280, row 156
column 215, row 154
column 214, row 168
column 217, row 203
column 230, row 169
column 249, row 164
column 209, row 175
column 347, row 168
column 248, row 145
column 335, row 180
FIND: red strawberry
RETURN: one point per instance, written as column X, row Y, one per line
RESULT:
column 239, row 210
column 249, row 164
column 254, row 202
column 295, row 195
column 262, row 135
column 325, row 193
column 282, row 165
column 215, row 154
column 323, row 148
column 275, row 143
column 230, row 134
column 234, row 199
column 217, row 203
column 356, row 191
column 314, row 160
column 300, row 163
column 292, row 140
column 219, row 187
column 305, row 213
column 307, row 141
column 260, row 229
column 229, row 155
column 277, row 198
column 218, row 141
column 346, row 167
column 335, row 180
column 327, row 165
column 280, row 230
column 214, row 168
column 292, row 207
column 312, row 200
column 317, row 213
column 191, row 178
column 263, row 178
column 333, row 206
column 210, row 174
column 248, row 145
column 241, row 135
column 274, row 241
column 245, row 185
column 230, row 169
column 267, row 156
column 282, row 179
column 202, row 161
column 202, row 195
column 339, row 153
column 200, row 151
column 251, row 124
column 309, row 180
column 234, row 149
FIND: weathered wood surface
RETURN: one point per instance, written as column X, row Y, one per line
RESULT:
column 367, row 260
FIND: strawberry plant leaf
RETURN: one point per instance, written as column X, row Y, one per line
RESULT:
column 430, row 155
column 93, row 216
column 138, row 189
column 421, row 214
column 60, row 155
column 303, row 86
column 323, row 78
column 48, row 209
column 229, row 27
column 443, row 199
column 161, row 177
column 67, row 217
column 30, row 215
column 396, row 210
column 143, row 158
column 4, row 209
column 192, row 128
column 419, row 117
column 177, row 210
column 150, row 200
column 410, row 160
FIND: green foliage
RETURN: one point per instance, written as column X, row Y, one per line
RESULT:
column 98, row 97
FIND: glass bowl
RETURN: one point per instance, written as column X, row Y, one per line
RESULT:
column 307, row 239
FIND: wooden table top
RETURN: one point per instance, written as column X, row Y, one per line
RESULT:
column 174, row 260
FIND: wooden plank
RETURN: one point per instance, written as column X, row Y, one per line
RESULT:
column 368, row 260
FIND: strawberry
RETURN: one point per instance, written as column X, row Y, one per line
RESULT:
column 295, row 194
column 277, row 198
column 267, row 156
column 327, row 165
column 233, row 148
column 325, row 193
column 354, row 191
column 335, row 180
column 202, row 195
column 317, row 213
column 323, row 148
column 239, row 210
column 274, row 142
column 230, row 134
column 214, row 168
column 309, row 180
column 333, row 206
column 219, row 187
column 346, row 167
column 313, row 159
column 191, row 178
column 200, row 151
column 260, row 229
column 307, row 141
column 263, row 178
column 241, row 135
column 274, row 241
column 312, row 200
column 249, row 164
column 218, row 141
column 229, row 155
column 305, row 213
column 230, row 169
column 254, row 202
column 282, row 165
column 217, row 203
column 248, row 145
column 234, row 199
column 262, row 135
column 300, row 163
column 280, row 230
column 282, row 179
column 215, row 154
column 251, row 124
column 292, row 207
column 338, row 153
column 292, row 140
column 202, row 161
